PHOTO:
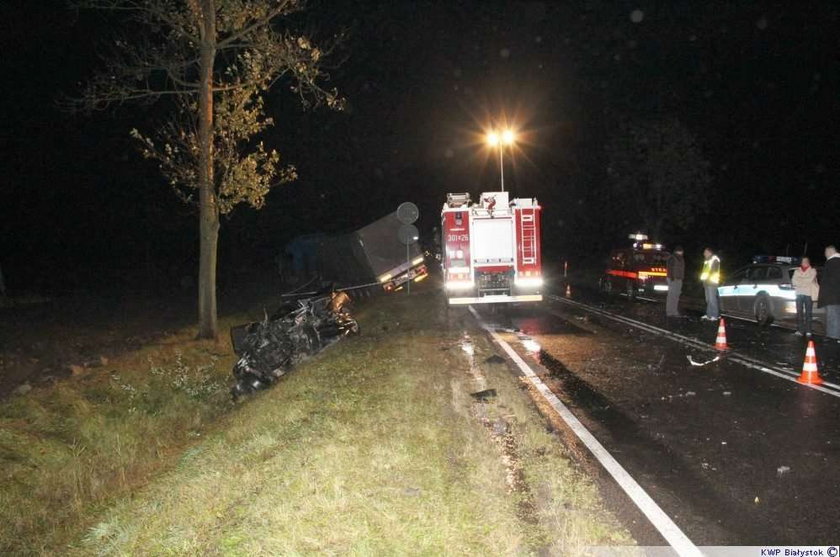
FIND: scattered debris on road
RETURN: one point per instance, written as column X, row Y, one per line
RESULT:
column 700, row 364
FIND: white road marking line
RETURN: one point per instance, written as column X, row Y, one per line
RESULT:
column 827, row 387
column 658, row 518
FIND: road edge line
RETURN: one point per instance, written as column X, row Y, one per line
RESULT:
column 644, row 502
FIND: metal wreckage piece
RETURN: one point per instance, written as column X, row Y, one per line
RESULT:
column 270, row 348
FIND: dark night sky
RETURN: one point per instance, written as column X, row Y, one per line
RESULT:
column 756, row 82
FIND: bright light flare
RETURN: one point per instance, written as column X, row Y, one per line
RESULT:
column 459, row 285
column 503, row 137
column 525, row 282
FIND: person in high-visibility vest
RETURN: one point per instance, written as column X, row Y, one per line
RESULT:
column 710, row 277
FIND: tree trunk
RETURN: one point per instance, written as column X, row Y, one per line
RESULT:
column 208, row 206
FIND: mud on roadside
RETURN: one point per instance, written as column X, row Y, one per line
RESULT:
column 540, row 466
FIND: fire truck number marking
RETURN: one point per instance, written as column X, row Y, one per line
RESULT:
column 458, row 238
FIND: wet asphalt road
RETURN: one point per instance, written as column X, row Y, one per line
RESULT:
column 733, row 455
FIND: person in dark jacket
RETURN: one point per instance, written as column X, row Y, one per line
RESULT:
column 676, row 274
column 830, row 293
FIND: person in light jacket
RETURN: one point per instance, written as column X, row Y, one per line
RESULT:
column 807, row 291
column 830, row 293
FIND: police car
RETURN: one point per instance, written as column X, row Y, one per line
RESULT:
column 762, row 290
column 636, row 270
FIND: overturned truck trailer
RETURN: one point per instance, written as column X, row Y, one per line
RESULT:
column 370, row 255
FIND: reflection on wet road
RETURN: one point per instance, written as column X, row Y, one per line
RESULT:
column 736, row 456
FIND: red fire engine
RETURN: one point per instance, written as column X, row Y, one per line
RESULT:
column 491, row 249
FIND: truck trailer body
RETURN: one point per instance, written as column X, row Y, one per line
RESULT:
column 372, row 254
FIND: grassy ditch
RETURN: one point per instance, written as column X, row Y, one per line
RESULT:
column 69, row 450
column 376, row 446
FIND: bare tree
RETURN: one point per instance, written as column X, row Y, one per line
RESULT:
column 214, row 60
column 658, row 174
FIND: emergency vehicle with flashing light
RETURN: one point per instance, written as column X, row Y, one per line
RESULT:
column 491, row 249
column 763, row 290
column 636, row 270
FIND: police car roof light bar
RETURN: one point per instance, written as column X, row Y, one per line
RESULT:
column 790, row 260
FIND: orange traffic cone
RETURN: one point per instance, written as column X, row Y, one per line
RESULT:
column 810, row 374
column 568, row 290
column 720, row 341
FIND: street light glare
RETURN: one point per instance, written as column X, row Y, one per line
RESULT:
column 504, row 137
column 500, row 138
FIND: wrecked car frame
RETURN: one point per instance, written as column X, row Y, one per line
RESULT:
column 270, row 348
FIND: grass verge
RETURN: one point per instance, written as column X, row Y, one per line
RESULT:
column 69, row 450
column 373, row 447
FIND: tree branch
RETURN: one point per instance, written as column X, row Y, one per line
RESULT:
column 286, row 7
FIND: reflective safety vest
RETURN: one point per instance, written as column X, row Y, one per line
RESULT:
column 711, row 270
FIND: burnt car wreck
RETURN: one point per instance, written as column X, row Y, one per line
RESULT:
column 270, row 348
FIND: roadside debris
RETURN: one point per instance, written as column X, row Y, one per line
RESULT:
column 23, row 389
column 270, row 348
column 484, row 395
column 658, row 366
column 700, row 364
column 531, row 346
column 782, row 470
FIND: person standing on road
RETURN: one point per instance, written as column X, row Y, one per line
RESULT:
column 710, row 277
column 807, row 290
column 830, row 293
column 676, row 274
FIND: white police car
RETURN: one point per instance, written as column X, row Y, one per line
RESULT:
column 761, row 290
